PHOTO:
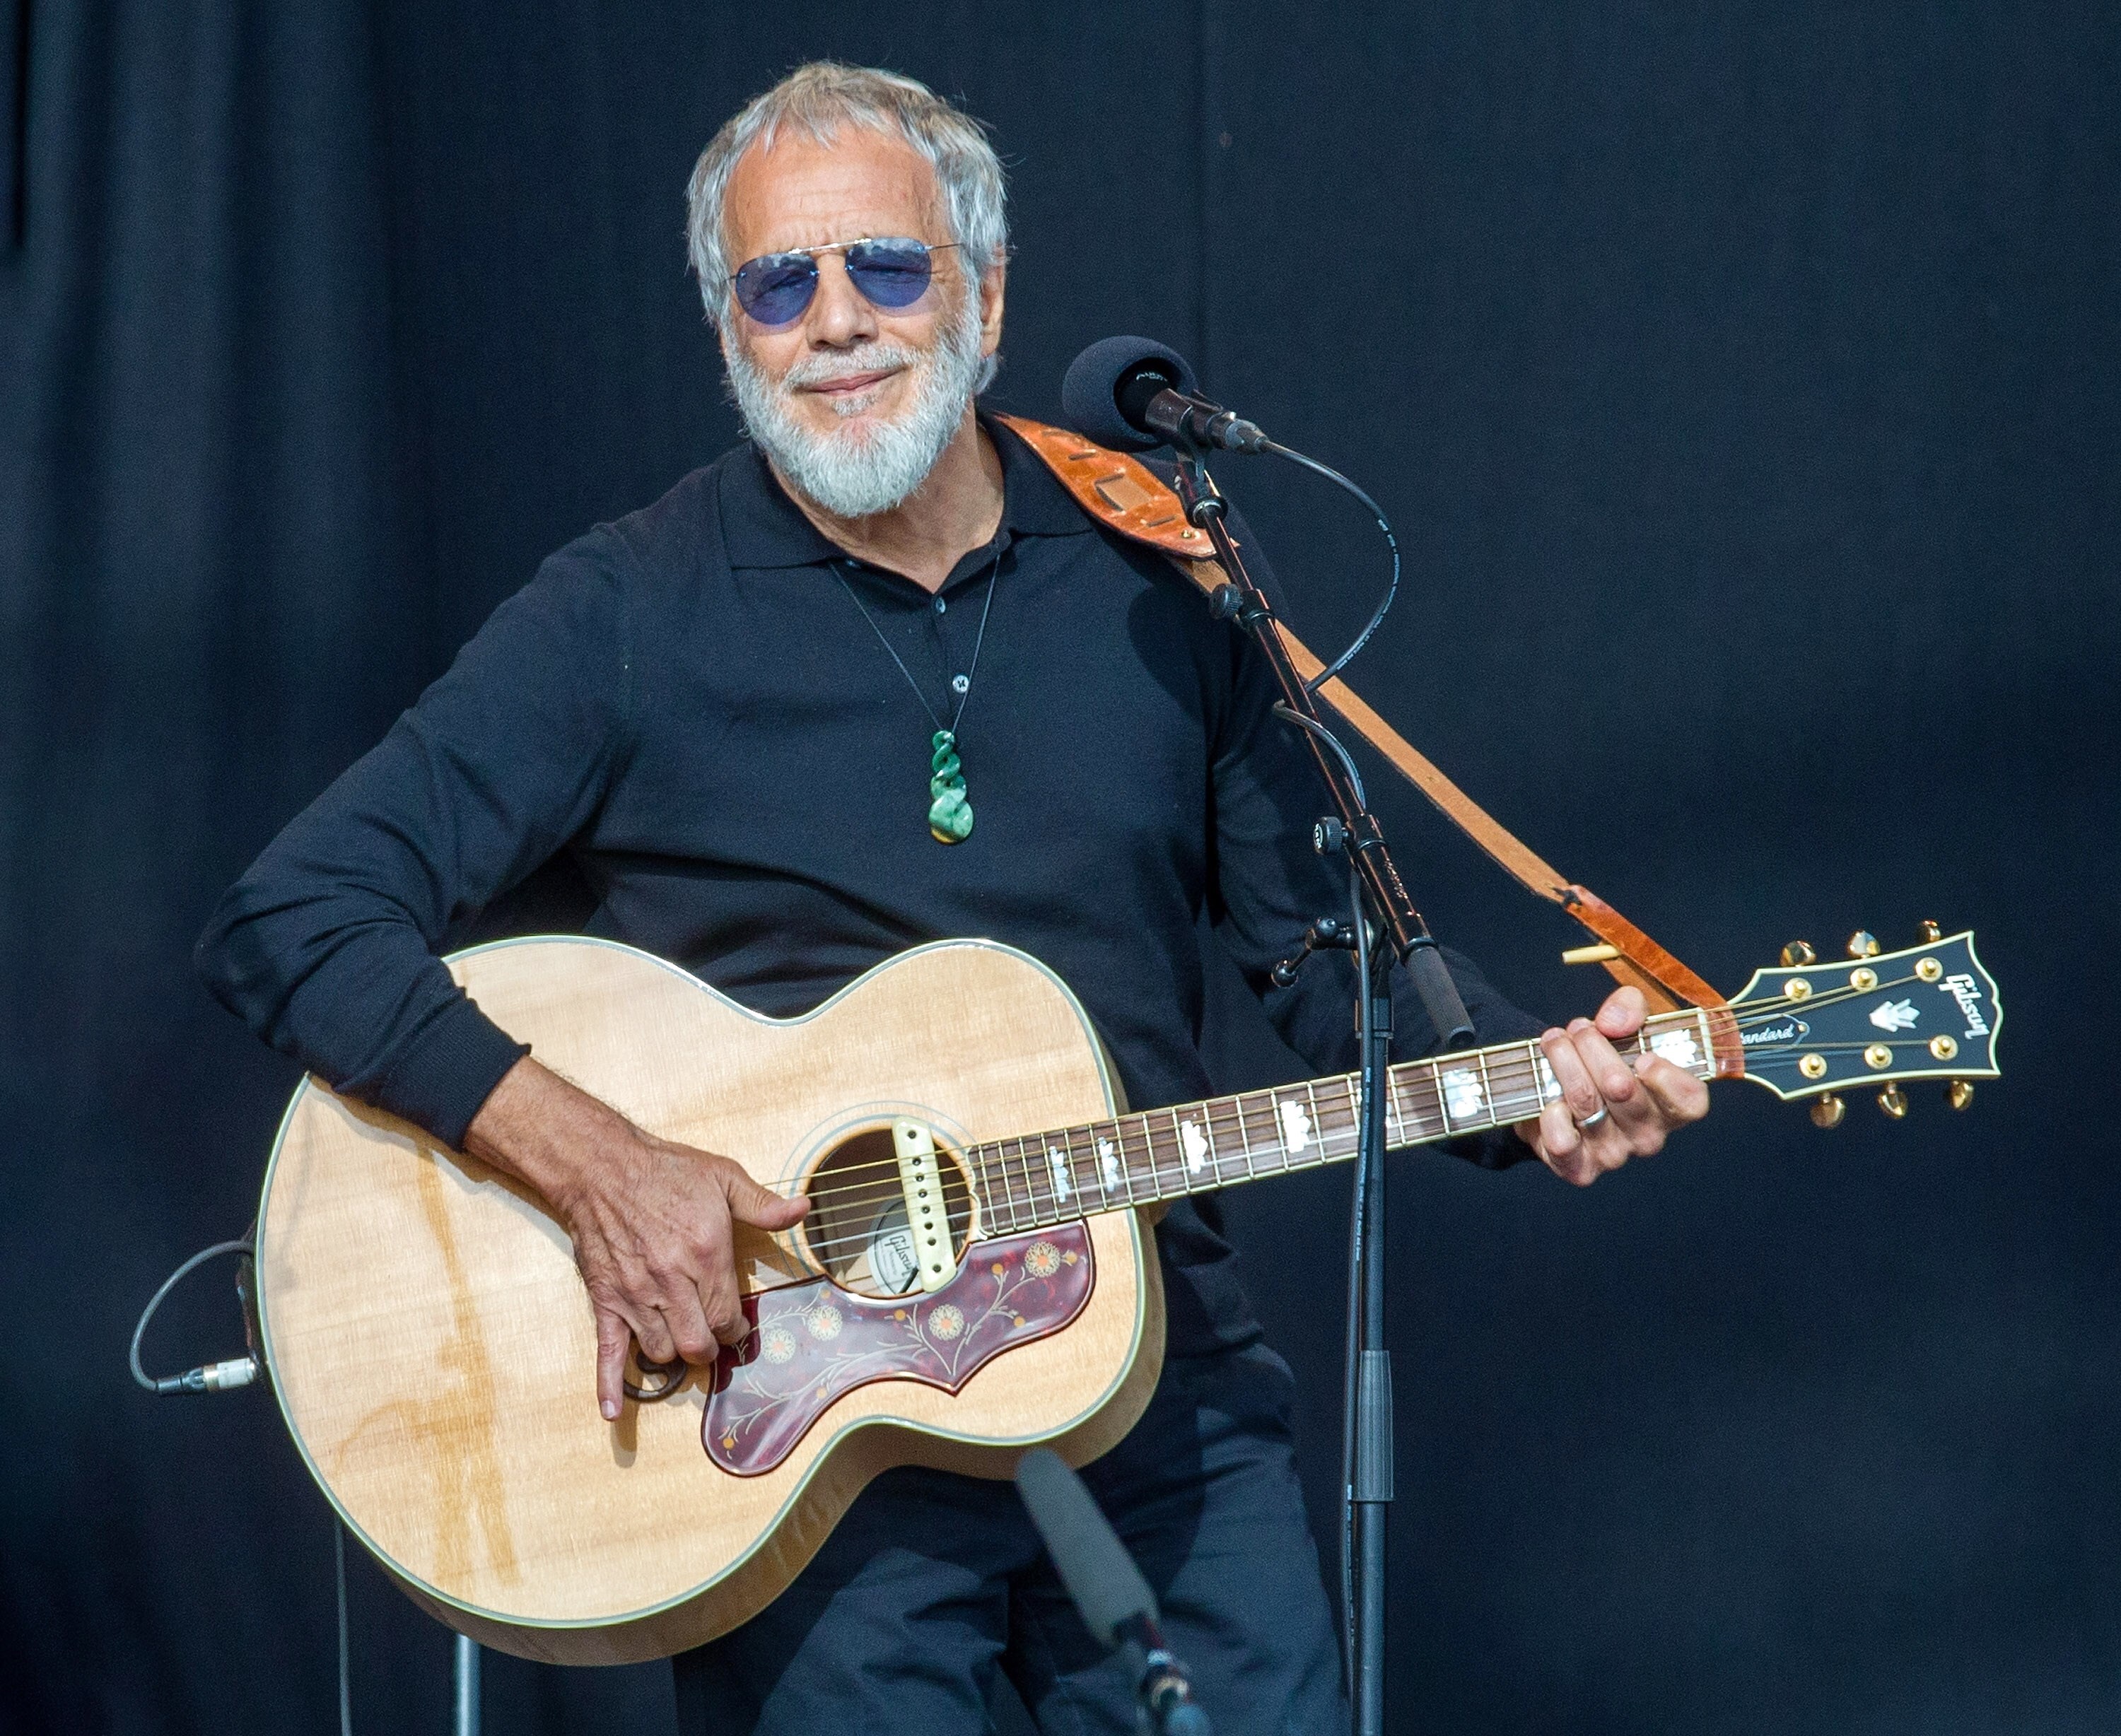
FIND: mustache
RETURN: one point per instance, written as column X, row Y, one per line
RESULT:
column 820, row 371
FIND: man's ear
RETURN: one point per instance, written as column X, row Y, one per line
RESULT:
column 993, row 283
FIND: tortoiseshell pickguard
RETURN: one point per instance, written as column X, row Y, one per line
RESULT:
column 813, row 1343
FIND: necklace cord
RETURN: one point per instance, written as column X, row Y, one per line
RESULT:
column 972, row 669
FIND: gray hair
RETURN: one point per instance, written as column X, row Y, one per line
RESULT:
column 817, row 100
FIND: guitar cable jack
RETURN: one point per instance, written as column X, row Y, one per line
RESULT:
column 209, row 1377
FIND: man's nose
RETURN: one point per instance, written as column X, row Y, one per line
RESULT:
column 840, row 313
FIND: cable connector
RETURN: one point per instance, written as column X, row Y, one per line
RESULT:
column 209, row 1377
column 216, row 1377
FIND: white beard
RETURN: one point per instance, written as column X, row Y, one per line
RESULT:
column 869, row 469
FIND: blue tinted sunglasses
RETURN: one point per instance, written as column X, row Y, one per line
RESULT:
column 889, row 271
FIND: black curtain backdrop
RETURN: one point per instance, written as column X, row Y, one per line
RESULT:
column 1744, row 389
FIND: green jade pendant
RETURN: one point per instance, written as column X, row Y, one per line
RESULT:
column 949, row 814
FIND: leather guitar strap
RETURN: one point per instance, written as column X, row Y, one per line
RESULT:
column 1120, row 492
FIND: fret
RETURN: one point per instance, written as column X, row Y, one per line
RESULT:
column 1211, row 1169
column 1104, row 1164
column 1083, row 1171
column 1292, row 1128
column 1488, row 1087
column 1394, row 1110
column 1092, row 1166
column 1442, row 1109
column 1167, row 1185
column 1543, row 1080
column 1189, row 1161
column 1505, row 1101
column 1244, row 1138
column 1708, row 1041
column 1119, row 1131
column 990, row 1206
column 1064, row 1172
column 1351, row 1088
column 1004, row 1201
column 1030, row 1181
column 1430, row 1119
column 1317, row 1120
column 1112, row 1159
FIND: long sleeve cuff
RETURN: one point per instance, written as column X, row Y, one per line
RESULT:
column 449, row 1071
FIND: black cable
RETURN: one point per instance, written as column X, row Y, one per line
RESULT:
column 210, row 1377
column 1332, row 741
column 1352, row 1372
column 1391, row 542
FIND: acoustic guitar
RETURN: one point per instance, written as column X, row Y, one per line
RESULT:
column 974, row 1276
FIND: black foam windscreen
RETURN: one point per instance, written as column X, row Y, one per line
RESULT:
column 1090, row 392
column 1100, row 1575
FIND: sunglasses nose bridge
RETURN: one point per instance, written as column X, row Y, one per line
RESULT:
column 840, row 309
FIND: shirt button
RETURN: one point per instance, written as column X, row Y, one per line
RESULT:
column 940, row 606
column 961, row 683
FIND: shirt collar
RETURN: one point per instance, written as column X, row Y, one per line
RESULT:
column 763, row 528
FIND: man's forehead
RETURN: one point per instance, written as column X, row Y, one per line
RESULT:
column 801, row 192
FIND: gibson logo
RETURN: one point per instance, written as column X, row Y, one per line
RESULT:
column 1963, row 989
column 1787, row 1032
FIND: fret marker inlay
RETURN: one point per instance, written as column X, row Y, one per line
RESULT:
column 1295, row 1126
column 1196, row 1146
column 1462, row 1095
column 1109, row 1160
column 1059, row 1164
column 1677, row 1047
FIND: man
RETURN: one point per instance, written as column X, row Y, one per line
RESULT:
column 728, row 708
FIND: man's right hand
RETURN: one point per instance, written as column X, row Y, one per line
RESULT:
column 652, row 1220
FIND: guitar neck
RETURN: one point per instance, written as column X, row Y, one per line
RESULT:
column 1039, row 1179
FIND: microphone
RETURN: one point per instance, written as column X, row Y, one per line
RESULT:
column 1115, row 1600
column 1131, row 393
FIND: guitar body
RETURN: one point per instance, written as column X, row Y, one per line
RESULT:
column 433, row 1350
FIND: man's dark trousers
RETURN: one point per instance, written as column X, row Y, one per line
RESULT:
column 932, row 1582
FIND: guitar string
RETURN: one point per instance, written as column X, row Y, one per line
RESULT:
column 1530, row 1090
column 1744, row 1014
column 1501, row 1099
column 880, row 1190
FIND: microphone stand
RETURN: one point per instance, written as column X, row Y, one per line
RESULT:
column 1389, row 908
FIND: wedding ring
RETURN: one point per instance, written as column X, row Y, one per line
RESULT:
column 1590, row 1122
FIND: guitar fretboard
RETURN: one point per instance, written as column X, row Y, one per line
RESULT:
column 1052, row 1178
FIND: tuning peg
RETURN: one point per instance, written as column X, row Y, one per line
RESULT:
column 1863, row 944
column 1928, row 933
column 1894, row 1101
column 1828, row 1110
column 1959, row 1093
column 1799, row 952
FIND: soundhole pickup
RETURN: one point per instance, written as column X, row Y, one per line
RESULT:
column 876, row 1197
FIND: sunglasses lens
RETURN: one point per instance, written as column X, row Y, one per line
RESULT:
column 890, row 273
column 775, row 290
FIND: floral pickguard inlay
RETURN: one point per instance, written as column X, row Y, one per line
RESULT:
column 813, row 1343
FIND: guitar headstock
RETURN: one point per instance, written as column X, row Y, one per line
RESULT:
column 1813, row 1027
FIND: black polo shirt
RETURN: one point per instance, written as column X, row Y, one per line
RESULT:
column 690, row 702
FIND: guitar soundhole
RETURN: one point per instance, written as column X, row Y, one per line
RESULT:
column 856, row 1232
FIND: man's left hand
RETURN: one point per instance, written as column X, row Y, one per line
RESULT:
column 1610, row 1109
